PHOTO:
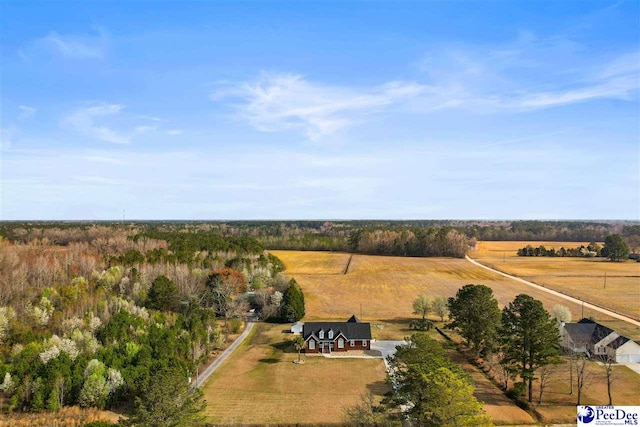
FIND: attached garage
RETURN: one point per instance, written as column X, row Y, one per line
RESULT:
column 624, row 350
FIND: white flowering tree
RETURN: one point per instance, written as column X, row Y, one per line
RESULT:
column 99, row 383
column 7, row 314
column 40, row 314
column 8, row 386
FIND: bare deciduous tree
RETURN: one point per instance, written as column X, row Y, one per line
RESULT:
column 580, row 365
column 546, row 375
column 608, row 362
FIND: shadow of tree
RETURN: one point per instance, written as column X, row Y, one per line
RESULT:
column 378, row 388
column 284, row 346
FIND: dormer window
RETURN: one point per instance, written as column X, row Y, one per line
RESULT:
column 321, row 334
column 330, row 334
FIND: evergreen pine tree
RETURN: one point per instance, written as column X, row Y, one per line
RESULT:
column 293, row 302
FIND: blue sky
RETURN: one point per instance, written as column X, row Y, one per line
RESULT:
column 320, row 110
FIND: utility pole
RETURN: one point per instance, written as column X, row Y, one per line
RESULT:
column 604, row 286
column 361, row 310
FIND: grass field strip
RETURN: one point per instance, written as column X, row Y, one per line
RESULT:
column 559, row 294
column 204, row 376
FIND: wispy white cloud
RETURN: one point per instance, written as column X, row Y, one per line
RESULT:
column 289, row 101
column 104, row 122
column 85, row 121
column 100, row 158
column 71, row 46
column 26, row 112
column 527, row 74
column 175, row 132
column 617, row 79
column 144, row 128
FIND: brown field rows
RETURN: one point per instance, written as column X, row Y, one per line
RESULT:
column 259, row 384
column 384, row 287
column 583, row 278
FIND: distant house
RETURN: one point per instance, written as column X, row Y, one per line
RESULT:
column 327, row 337
column 597, row 340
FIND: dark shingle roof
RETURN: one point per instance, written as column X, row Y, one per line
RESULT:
column 618, row 342
column 580, row 333
column 353, row 319
column 587, row 331
column 599, row 333
column 352, row 330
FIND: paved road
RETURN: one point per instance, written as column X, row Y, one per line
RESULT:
column 559, row 294
column 204, row 375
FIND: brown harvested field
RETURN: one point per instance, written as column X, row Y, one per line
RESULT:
column 318, row 263
column 560, row 406
column 582, row 278
column 386, row 286
column 68, row 416
column 260, row 384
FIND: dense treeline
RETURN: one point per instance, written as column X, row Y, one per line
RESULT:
column 590, row 251
column 89, row 314
column 185, row 245
column 186, row 241
column 307, row 232
column 616, row 248
column 443, row 241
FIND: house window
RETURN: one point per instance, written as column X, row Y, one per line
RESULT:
column 352, row 343
column 330, row 335
column 321, row 334
column 340, row 343
column 312, row 345
column 364, row 343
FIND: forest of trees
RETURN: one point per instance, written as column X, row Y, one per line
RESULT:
column 402, row 238
column 89, row 314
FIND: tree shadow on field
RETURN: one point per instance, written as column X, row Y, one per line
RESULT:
column 269, row 360
column 284, row 346
column 378, row 388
